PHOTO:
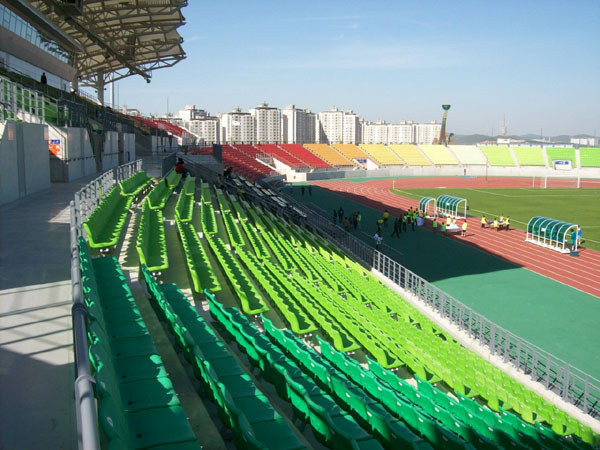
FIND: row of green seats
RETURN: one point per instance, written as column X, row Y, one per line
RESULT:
column 103, row 227
column 419, row 336
column 299, row 322
column 151, row 244
column 189, row 186
column 184, row 209
column 135, row 184
column 209, row 221
column 241, row 406
column 172, row 179
column 205, row 193
column 233, row 231
column 201, row 271
column 159, row 195
column 330, row 424
column 138, row 408
column 589, row 156
column 437, row 343
column 398, row 395
column 341, row 339
column 251, row 299
column 260, row 248
column 370, row 414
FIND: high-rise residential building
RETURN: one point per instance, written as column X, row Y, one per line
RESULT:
column 374, row 132
column 297, row 125
column 338, row 127
column 207, row 128
column 427, row 133
column 237, row 127
column 402, row 132
column 331, row 125
column 189, row 112
column 351, row 133
column 267, row 123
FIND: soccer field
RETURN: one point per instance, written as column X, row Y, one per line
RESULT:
column 580, row 206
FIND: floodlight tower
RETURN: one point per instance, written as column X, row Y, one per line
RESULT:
column 442, row 139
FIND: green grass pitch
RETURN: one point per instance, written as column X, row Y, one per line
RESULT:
column 580, row 206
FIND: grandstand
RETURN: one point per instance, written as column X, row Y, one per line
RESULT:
column 529, row 155
column 283, row 156
column 305, row 155
column 498, row 155
column 351, row 151
column 243, row 164
column 468, row 154
column 589, row 156
column 326, row 387
column 438, row 154
column 561, row 154
column 326, row 153
column 382, row 155
column 410, row 154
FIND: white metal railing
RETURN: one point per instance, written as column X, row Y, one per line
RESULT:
column 20, row 103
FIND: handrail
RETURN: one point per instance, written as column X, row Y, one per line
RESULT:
column 84, row 202
column 85, row 402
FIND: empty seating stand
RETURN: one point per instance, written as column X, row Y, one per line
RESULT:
column 305, row 155
column 589, row 156
column 438, row 154
column 184, row 209
column 498, row 155
column 244, row 164
column 352, row 152
column 283, row 156
column 561, row 154
column 241, row 405
column 151, row 244
column 410, row 154
column 103, row 227
column 328, row 154
column 382, row 154
column 138, row 406
column 468, row 154
column 529, row 155
column 200, row 269
column 135, row 184
column 331, row 425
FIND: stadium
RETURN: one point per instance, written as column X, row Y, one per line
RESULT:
column 163, row 291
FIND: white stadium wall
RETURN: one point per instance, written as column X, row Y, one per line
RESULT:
column 110, row 152
column 74, row 157
column 24, row 162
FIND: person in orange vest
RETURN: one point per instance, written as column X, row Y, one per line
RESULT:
column 464, row 228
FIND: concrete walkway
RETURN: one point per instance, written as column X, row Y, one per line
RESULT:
column 36, row 345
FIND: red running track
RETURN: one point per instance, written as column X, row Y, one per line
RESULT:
column 582, row 273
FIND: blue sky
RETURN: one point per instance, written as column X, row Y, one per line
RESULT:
column 535, row 62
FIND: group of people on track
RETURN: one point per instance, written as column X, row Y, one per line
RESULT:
column 496, row 224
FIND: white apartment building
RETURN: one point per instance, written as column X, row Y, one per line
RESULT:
column 331, row 124
column 591, row 142
column 298, row 126
column 375, row 132
column 267, row 123
column 402, row 132
column 237, row 127
column 351, row 132
column 207, row 128
column 427, row 133
column 338, row 127
column 189, row 112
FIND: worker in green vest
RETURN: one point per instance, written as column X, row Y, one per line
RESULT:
column 434, row 225
column 443, row 227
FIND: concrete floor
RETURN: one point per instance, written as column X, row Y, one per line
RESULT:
column 36, row 346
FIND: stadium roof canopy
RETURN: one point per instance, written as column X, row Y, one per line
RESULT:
column 124, row 37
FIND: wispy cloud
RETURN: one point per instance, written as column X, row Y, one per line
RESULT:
column 195, row 38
